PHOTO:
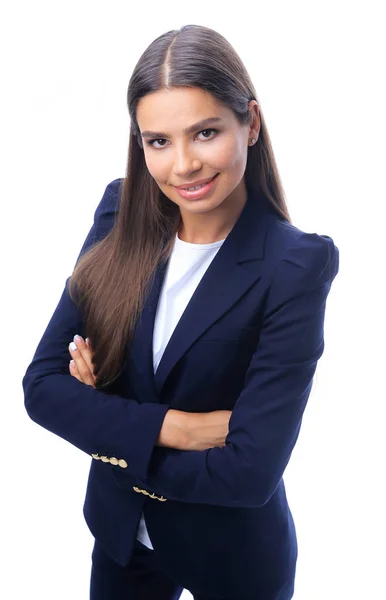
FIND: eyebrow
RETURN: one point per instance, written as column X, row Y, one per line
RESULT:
column 200, row 125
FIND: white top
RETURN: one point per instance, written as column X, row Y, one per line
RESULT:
column 186, row 266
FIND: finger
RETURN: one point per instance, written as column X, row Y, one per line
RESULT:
column 81, row 369
column 74, row 371
column 85, row 351
column 84, row 371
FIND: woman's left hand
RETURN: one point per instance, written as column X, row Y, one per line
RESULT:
column 81, row 366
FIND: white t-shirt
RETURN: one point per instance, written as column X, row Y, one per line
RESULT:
column 186, row 266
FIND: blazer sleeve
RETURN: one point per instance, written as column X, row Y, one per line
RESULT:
column 92, row 420
column 267, row 416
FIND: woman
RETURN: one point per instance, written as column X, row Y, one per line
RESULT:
column 204, row 311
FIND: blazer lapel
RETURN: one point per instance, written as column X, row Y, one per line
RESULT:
column 232, row 272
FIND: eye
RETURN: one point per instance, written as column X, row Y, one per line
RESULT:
column 206, row 130
column 151, row 142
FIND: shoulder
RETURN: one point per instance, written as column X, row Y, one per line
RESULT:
column 310, row 257
column 104, row 215
column 109, row 204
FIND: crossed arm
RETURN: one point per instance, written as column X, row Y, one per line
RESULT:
column 265, row 421
column 180, row 430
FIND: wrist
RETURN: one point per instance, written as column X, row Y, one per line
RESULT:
column 175, row 429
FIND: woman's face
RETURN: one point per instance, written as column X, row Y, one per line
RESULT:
column 175, row 157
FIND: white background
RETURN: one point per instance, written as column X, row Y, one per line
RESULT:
column 319, row 77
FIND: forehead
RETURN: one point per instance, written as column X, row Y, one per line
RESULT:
column 179, row 106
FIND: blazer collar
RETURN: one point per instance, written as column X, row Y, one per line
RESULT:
column 232, row 272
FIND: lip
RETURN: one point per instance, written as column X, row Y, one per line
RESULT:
column 201, row 192
column 194, row 183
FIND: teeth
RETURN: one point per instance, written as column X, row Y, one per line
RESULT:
column 195, row 188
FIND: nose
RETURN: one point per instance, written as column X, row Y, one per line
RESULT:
column 185, row 163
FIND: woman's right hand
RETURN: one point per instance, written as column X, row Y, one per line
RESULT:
column 207, row 430
column 194, row 431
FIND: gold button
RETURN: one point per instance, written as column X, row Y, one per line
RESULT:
column 122, row 463
column 96, row 456
column 113, row 460
column 105, row 459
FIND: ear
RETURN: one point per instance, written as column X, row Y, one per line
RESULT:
column 254, row 119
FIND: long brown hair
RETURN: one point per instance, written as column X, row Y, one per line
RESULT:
column 111, row 279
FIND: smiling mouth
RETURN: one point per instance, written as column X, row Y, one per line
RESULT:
column 198, row 186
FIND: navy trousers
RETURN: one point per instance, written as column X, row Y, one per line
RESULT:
column 141, row 579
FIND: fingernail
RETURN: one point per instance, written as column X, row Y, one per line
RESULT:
column 73, row 346
column 72, row 363
column 88, row 341
column 77, row 339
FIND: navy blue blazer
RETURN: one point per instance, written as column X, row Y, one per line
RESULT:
column 248, row 341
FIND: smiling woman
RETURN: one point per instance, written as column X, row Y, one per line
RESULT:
column 186, row 157
column 204, row 307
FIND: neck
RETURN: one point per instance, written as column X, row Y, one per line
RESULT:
column 215, row 225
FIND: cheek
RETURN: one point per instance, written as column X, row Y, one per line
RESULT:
column 231, row 156
column 156, row 167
